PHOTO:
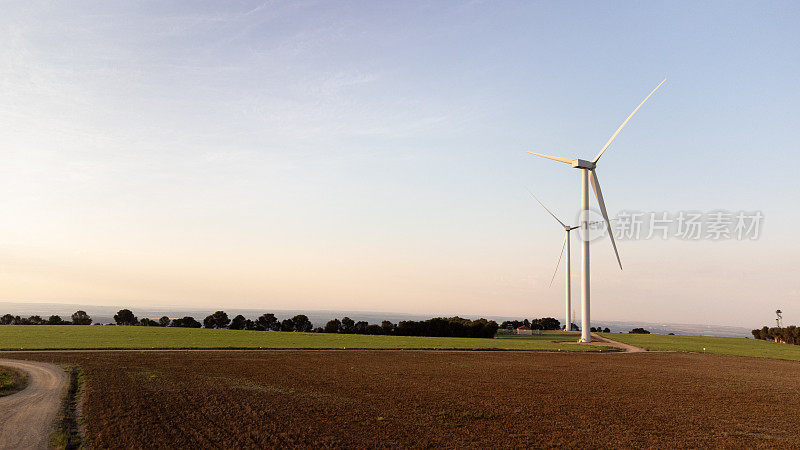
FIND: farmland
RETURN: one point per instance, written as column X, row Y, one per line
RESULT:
column 423, row 399
column 34, row 337
column 708, row 344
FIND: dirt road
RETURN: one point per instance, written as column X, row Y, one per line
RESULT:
column 626, row 348
column 27, row 417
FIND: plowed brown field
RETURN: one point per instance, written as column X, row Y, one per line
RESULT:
column 424, row 398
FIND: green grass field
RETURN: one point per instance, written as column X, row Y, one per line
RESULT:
column 706, row 344
column 42, row 337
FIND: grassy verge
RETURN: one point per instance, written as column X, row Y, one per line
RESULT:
column 707, row 344
column 68, row 433
column 49, row 337
column 11, row 381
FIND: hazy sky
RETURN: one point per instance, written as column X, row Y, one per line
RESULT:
column 371, row 155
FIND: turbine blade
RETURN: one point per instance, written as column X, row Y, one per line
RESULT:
column 554, row 158
column 596, row 158
column 563, row 246
column 545, row 208
column 599, row 194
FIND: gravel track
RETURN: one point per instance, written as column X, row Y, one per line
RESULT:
column 28, row 416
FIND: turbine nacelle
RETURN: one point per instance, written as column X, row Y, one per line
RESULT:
column 583, row 164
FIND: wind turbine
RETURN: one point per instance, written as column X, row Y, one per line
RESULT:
column 565, row 245
column 588, row 169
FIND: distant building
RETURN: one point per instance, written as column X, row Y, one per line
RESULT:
column 524, row 330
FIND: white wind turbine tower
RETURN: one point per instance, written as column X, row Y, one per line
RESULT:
column 565, row 245
column 588, row 170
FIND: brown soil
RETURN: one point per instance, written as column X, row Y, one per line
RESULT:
column 426, row 399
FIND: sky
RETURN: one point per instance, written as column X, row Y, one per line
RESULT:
column 371, row 155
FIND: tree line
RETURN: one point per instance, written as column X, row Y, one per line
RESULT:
column 219, row 320
column 545, row 323
column 440, row 326
column 785, row 335
column 78, row 318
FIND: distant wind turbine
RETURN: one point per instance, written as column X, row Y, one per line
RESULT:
column 588, row 170
column 565, row 245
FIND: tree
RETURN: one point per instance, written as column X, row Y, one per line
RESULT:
column 388, row 327
column 186, row 322
column 512, row 324
column 549, row 323
column 287, row 325
column 347, row 325
column 269, row 322
column 125, row 317
column 301, row 323
column 81, row 318
column 360, row 327
column 238, row 323
column 7, row 319
column 333, row 326
column 374, row 329
column 638, row 331
column 36, row 320
column 606, row 330
column 147, row 322
column 164, row 321
column 55, row 320
column 217, row 320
